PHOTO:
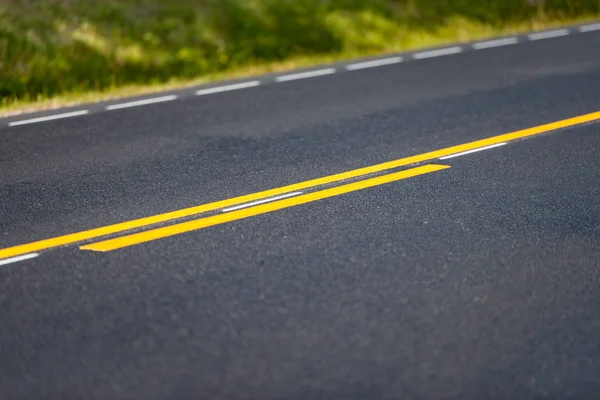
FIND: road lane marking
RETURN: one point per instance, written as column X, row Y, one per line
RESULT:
column 437, row 53
column 495, row 43
column 589, row 28
column 257, row 202
column 305, row 75
column 159, row 233
column 228, row 88
column 351, row 67
column 49, row 118
column 548, row 34
column 493, row 146
column 374, row 63
column 143, row 102
column 187, row 212
column 18, row 258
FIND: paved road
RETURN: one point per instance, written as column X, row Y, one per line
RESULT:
column 429, row 277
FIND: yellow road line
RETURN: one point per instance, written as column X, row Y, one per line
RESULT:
column 159, row 233
column 186, row 212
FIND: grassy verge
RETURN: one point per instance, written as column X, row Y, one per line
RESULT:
column 61, row 52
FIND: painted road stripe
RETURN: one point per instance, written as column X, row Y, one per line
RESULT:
column 495, row 43
column 374, row 63
column 19, row 258
column 49, row 118
column 257, row 202
column 186, row 212
column 147, row 236
column 590, row 28
column 493, row 146
column 144, row 102
column 305, row 75
column 228, row 88
column 438, row 53
column 548, row 34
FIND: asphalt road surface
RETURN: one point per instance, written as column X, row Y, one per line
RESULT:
column 426, row 229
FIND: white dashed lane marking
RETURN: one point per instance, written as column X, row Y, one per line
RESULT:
column 473, row 151
column 589, row 28
column 495, row 43
column 305, row 75
column 144, row 102
column 228, row 88
column 257, row 202
column 374, row 63
column 438, row 53
column 549, row 34
column 18, row 258
column 354, row 66
column 49, row 118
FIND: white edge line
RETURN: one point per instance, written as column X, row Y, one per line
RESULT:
column 495, row 43
column 227, row 88
column 304, row 75
column 438, row 53
column 141, row 102
column 590, row 28
column 18, row 258
column 374, row 63
column 257, row 202
column 473, row 151
column 49, row 118
column 548, row 34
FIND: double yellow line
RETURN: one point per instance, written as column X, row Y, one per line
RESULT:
column 356, row 173
column 160, row 233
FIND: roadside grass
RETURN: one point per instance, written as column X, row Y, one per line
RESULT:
column 63, row 52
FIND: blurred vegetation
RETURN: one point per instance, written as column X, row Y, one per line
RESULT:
column 53, row 47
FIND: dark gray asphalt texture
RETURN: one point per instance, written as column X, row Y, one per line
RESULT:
column 477, row 282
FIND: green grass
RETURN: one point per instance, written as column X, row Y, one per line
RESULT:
column 56, row 52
